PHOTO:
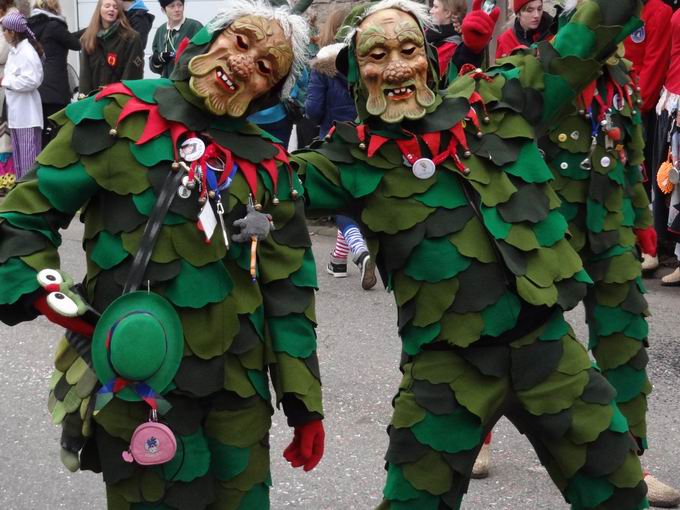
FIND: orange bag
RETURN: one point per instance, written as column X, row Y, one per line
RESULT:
column 662, row 176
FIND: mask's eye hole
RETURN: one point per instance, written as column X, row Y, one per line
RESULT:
column 241, row 42
column 408, row 50
column 378, row 55
column 263, row 67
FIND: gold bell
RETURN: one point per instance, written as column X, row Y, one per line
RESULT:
column 275, row 200
column 466, row 171
column 362, row 146
column 467, row 153
column 211, row 194
column 479, row 134
column 113, row 132
column 175, row 166
column 294, row 194
column 486, row 119
column 258, row 207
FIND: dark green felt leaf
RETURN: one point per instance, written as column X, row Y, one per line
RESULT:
column 414, row 337
column 108, row 250
column 392, row 215
column 502, row 315
column 153, row 152
column 88, row 108
column 529, row 165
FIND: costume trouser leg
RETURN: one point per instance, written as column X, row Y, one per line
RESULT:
column 222, row 459
column 615, row 311
column 545, row 384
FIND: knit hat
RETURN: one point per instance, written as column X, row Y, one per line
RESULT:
column 518, row 4
column 16, row 22
column 165, row 3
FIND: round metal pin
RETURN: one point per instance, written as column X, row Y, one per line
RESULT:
column 192, row 149
column 183, row 192
column 605, row 161
column 674, row 175
column 423, row 168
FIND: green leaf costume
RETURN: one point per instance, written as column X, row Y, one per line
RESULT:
column 603, row 200
column 477, row 257
column 236, row 332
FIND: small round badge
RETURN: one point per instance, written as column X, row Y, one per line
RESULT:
column 423, row 168
column 674, row 175
column 562, row 137
column 617, row 102
column 183, row 192
column 575, row 135
column 605, row 161
column 564, row 165
column 192, row 149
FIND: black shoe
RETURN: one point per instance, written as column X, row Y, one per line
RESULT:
column 336, row 268
column 367, row 268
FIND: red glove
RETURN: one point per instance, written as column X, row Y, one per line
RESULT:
column 75, row 324
column 306, row 448
column 478, row 27
column 646, row 238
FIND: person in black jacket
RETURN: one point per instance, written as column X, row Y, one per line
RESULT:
column 140, row 18
column 51, row 30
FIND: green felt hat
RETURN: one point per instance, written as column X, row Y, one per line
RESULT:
column 139, row 339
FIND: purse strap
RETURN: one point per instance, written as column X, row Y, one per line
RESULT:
column 151, row 231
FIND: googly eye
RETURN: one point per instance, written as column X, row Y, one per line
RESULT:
column 62, row 304
column 49, row 277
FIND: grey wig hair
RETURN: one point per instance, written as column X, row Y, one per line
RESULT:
column 295, row 28
column 416, row 9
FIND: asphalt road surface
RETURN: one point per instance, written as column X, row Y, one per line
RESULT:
column 359, row 353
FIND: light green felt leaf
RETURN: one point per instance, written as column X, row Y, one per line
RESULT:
column 67, row 189
column 430, row 473
column 461, row 329
column 432, row 301
column 392, row 215
column 473, row 242
column 406, row 411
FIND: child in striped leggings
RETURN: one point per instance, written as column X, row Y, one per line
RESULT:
column 349, row 239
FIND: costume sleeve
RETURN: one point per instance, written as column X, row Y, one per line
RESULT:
column 134, row 63
column 315, row 102
column 464, row 55
column 30, row 219
column 657, row 58
column 288, row 281
column 554, row 72
column 328, row 170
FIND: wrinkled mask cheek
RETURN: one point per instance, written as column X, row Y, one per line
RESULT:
column 425, row 97
column 372, row 83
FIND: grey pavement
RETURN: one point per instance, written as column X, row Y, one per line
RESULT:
column 359, row 353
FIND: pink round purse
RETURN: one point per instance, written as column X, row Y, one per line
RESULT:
column 152, row 443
